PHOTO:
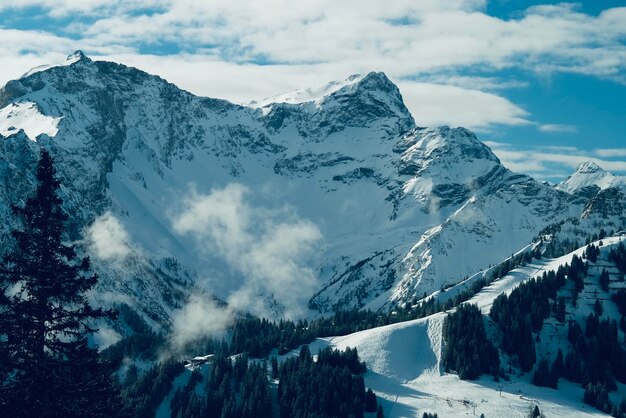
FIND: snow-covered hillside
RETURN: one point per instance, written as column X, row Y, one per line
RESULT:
column 338, row 186
column 404, row 359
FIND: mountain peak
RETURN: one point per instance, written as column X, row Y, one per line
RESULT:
column 589, row 174
column 377, row 81
column 588, row 167
column 372, row 81
column 77, row 56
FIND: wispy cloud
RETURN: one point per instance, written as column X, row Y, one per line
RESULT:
column 107, row 239
column 436, row 104
column 556, row 128
column 610, row 152
column 266, row 248
column 199, row 317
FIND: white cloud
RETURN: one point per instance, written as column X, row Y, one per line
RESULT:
column 107, row 239
column 475, row 82
column 436, row 36
column 199, row 317
column 435, row 104
column 610, row 152
column 105, row 337
column 556, row 128
column 260, row 49
column 267, row 248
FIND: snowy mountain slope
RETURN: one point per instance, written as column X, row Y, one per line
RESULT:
column 400, row 210
column 590, row 177
column 404, row 359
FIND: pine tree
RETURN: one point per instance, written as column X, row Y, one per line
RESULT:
column 274, row 367
column 379, row 412
column 560, row 310
column 44, row 317
column 370, row 401
column 535, row 412
column 598, row 308
column 604, row 280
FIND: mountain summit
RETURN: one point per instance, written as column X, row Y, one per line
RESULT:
column 590, row 177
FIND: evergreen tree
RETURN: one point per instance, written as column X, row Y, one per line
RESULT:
column 598, row 308
column 535, row 412
column 370, row 401
column 557, row 368
column 604, row 280
column 542, row 376
column 274, row 367
column 379, row 412
column 49, row 371
column 560, row 310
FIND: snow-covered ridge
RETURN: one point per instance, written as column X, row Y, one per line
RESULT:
column 589, row 174
column 311, row 94
column 27, row 116
column 71, row 59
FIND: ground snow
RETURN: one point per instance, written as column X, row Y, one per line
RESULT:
column 27, row 117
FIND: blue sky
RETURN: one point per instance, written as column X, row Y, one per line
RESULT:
column 544, row 84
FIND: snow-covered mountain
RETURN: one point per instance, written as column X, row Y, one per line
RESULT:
column 392, row 210
column 589, row 178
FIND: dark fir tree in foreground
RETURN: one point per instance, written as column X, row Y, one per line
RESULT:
column 47, row 369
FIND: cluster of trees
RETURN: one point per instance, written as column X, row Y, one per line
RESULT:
column 467, row 350
column 238, row 390
column 259, row 336
column 596, row 358
column 142, row 344
column 143, row 394
column 519, row 314
column 557, row 247
column 597, row 396
column 47, row 368
column 597, row 355
column 592, row 253
column 546, row 375
column 331, row 387
column 618, row 256
column 523, row 312
column 185, row 402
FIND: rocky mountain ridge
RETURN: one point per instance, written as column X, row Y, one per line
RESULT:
column 400, row 210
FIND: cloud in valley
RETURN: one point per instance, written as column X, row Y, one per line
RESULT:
column 268, row 248
column 199, row 317
column 107, row 239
